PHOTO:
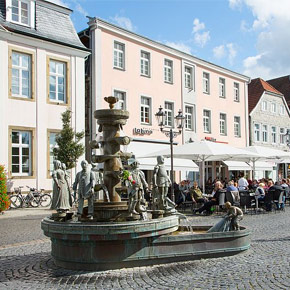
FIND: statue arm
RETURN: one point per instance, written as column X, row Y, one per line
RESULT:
column 54, row 177
column 155, row 172
column 93, row 181
column 75, row 185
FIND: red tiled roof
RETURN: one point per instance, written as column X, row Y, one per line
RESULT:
column 255, row 90
column 283, row 85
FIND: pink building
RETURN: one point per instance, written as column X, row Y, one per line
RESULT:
column 146, row 74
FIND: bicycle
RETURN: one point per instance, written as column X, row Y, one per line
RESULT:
column 34, row 198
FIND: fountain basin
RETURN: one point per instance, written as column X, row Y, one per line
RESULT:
column 102, row 246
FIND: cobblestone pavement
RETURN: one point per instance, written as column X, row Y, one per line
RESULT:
column 28, row 265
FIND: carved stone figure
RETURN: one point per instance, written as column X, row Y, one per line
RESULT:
column 85, row 183
column 161, row 183
column 61, row 200
column 136, row 189
column 67, row 176
column 235, row 214
column 100, row 188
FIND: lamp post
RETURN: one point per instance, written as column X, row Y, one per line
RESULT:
column 179, row 119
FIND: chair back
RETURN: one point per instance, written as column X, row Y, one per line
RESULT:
column 236, row 196
column 229, row 197
column 245, row 200
column 222, row 198
column 281, row 197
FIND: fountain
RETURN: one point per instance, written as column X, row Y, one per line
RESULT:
column 111, row 240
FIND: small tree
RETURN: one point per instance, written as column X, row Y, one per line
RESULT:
column 4, row 199
column 68, row 148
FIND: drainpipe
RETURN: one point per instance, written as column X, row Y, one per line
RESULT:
column 247, row 128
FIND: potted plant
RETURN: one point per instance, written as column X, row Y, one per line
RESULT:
column 4, row 199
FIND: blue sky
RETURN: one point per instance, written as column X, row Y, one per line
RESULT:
column 251, row 37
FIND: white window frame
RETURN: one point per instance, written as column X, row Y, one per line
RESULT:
column 264, row 106
column 145, row 63
column 168, row 71
column 119, row 55
column 122, row 96
column 189, row 113
column 57, row 77
column 145, row 111
column 274, row 135
column 222, row 87
column 20, row 68
column 169, row 114
column 237, row 126
column 265, row 133
column 273, row 108
column 21, row 146
column 282, row 110
column 282, row 132
column 205, row 82
column 223, row 124
column 188, row 79
column 257, row 132
column 51, row 147
column 236, row 92
column 206, row 121
column 30, row 12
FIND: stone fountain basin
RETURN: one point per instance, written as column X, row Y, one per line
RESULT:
column 102, row 246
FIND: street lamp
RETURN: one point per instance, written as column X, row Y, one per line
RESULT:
column 179, row 119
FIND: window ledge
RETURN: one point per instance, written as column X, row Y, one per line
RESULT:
column 22, row 99
column 169, row 83
column 119, row 68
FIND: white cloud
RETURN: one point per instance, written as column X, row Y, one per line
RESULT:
column 81, row 10
column 219, row 51
column 200, row 37
column 197, row 25
column 58, row 2
column 124, row 22
column 222, row 51
column 235, row 3
column 271, row 22
column 180, row 46
column 232, row 52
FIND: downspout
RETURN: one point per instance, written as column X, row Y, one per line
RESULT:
column 247, row 128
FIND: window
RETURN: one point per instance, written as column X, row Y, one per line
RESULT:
column 145, row 110
column 236, row 92
column 257, row 132
column 223, row 124
column 145, row 63
column 168, row 114
column 21, row 76
column 121, row 105
column 21, row 155
column 119, row 55
column 274, row 135
column 237, row 126
column 265, row 133
column 188, row 118
column 282, row 135
column 168, row 74
column 206, row 121
column 282, row 110
column 273, row 108
column 52, row 145
column 264, row 106
column 20, row 12
column 188, row 77
column 222, row 87
column 57, row 81
column 205, row 82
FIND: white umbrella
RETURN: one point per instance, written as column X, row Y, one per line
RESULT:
column 266, row 153
column 202, row 151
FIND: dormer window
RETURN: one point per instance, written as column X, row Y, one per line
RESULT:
column 21, row 12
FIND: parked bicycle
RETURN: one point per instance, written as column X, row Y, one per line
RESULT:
column 34, row 198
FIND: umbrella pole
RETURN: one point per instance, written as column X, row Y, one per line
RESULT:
column 203, row 175
column 254, row 169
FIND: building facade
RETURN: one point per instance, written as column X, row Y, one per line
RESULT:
column 145, row 75
column 269, row 118
column 42, row 75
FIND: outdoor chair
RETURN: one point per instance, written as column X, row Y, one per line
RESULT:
column 246, row 202
column 278, row 200
column 236, row 198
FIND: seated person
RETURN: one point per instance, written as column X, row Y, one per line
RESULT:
column 214, row 200
column 232, row 187
column 260, row 192
column 196, row 194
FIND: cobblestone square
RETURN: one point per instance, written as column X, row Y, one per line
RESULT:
column 26, row 262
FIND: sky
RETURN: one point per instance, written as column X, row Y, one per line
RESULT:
column 251, row 37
